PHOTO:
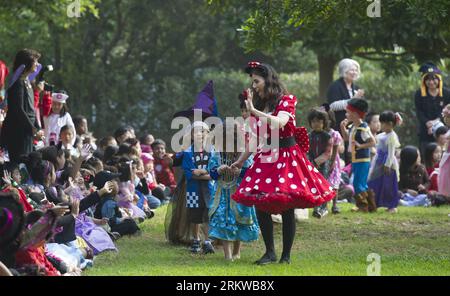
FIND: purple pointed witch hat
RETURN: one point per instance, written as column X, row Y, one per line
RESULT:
column 205, row 102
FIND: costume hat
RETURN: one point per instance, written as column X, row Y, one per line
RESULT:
column 205, row 102
column 427, row 70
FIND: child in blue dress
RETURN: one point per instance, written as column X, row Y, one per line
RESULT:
column 230, row 221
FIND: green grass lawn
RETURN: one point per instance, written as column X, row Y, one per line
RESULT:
column 415, row 241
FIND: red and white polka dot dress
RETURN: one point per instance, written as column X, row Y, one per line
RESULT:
column 285, row 179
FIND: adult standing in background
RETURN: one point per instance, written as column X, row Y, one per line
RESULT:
column 342, row 90
column 21, row 125
column 430, row 100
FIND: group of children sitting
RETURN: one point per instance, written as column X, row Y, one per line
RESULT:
column 75, row 199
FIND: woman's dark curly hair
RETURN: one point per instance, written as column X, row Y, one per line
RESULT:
column 273, row 88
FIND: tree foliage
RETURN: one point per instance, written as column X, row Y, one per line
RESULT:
column 138, row 62
column 120, row 60
column 343, row 28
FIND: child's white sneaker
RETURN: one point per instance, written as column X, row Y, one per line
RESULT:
column 277, row 219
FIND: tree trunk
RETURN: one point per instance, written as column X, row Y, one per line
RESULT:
column 326, row 69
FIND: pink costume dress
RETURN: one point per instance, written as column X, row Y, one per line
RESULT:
column 335, row 175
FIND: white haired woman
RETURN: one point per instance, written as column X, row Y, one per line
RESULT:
column 344, row 89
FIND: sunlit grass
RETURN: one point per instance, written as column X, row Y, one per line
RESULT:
column 415, row 241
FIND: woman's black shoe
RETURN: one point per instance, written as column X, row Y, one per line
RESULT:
column 266, row 259
column 285, row 261
column 335, row 210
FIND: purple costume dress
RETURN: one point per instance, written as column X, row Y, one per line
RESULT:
column 94, row 235
column 384, row 185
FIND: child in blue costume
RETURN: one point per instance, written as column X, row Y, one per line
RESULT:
column 360, row 141
column 229, row 221
column 198, row 185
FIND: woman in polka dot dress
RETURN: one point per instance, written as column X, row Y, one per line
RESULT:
column 281, row 179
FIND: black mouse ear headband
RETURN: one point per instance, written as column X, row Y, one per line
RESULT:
column 257, row 68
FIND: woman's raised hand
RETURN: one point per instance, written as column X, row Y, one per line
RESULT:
column 249, row 100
